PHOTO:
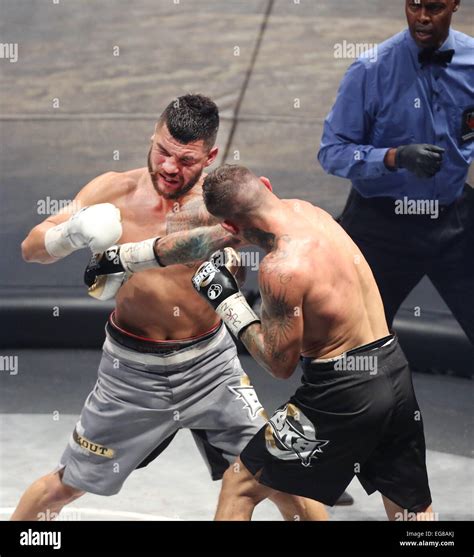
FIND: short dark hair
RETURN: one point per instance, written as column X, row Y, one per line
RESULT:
column 191, row 118
column 223, row 193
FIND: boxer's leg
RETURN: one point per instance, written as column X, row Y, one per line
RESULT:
column 397, row 465
column 45, row 498
column 241, row 493
column 296, row 508
column 126, row 421
column 223, row 417
column 397, row 513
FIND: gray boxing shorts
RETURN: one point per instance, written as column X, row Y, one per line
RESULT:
column 145, row 393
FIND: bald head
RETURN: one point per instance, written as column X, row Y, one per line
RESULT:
column 233, row 192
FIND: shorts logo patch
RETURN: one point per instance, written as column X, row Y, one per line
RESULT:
column 290, row 435
column 247, row 394
column 468, row 124
column 92, row 447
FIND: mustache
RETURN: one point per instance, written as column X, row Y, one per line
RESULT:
column 424, row 28
column 182, row 191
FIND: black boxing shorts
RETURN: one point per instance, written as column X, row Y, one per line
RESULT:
column 355, row 415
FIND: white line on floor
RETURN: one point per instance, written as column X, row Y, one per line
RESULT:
column 102, row 513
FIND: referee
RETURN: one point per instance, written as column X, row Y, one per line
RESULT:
column 402, row 130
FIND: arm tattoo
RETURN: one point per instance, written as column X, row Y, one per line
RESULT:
column 273, row 267
column 253, row 339
column 259, row 237
column 263, row 341
column 192, row 235
column 268, row 241
column 278, row 322
column 190, row 246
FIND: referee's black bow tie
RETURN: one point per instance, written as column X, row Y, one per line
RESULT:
column 431, row 56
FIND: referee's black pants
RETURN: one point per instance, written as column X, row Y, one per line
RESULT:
column 402, row 249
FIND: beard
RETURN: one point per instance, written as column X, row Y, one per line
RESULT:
column 174, row 194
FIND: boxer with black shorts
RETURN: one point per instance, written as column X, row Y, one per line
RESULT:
column 356, row 412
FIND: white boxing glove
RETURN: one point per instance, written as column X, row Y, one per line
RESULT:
column 97, row 227
column 106, row 286
column 107, row 272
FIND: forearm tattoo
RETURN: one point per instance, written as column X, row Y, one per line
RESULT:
column 264, row 341
column 254, row 341
column 190, row 246
column 192, row 235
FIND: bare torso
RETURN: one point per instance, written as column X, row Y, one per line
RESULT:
column 342, row 307
column 159, row 304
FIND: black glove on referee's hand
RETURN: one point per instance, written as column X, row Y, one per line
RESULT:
column 423, row 160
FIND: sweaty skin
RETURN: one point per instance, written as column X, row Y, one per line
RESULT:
column 157, row 304
column 164, row 199
column 319, row 295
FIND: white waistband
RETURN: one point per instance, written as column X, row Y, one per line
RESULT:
column 179, row 357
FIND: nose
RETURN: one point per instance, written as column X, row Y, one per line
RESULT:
column 169, row 166
column 424, row 16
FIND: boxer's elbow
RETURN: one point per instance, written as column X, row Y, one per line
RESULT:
column 284, row 363
column 32, row 253
column 282, row 372
column 26, row 251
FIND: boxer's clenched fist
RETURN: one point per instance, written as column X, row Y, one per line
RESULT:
column 129, row 258
column 106, row 272
column 216, row 283
column 97, row 227
column 231, row 259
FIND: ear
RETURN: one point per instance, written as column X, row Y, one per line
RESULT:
column 266, row 182
column 211, row 157
column 230, row 227
column 456, row 5
column 155, row 132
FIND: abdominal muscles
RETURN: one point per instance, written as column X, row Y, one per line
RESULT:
column 161, row 304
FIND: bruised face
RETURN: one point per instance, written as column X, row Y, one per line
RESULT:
column 429, row 20
column 175, row 167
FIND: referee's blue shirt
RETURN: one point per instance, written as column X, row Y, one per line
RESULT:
column 389, row 100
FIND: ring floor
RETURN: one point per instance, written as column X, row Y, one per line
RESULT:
column 39, row 406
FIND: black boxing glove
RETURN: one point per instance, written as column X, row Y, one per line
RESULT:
column 218, row 286
column 422, row 160
column 107, row 271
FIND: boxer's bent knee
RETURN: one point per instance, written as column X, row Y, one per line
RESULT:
column 293, row 505
column 238, row 481
column 54, row 491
